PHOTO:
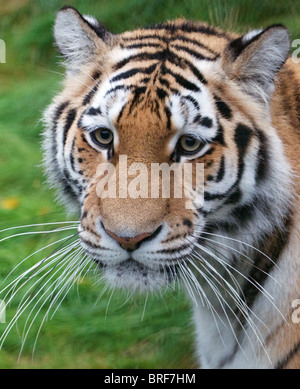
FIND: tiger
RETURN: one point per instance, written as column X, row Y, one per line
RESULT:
column 189, row 93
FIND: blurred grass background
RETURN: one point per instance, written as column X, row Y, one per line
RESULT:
column 81, row 334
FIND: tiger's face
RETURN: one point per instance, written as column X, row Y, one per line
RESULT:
column 179, row 93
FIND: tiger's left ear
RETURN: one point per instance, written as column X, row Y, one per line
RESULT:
column 254, row 59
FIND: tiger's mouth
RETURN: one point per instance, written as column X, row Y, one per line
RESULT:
column 153, row 265
column 134, row 276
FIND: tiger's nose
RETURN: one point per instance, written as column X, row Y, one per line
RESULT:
column 131, row 244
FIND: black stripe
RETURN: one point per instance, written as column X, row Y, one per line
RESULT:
column 70, row 186
column 58, row 112
column 132, row 72
column 173, row 250
column 221, row 171
column 96, row 75
column 114, row 89
column 244, row 213
column 168, row 115
column 72, row 156
column 92, row 245
column 214, row 196
column 136, row 96
column 188, row 27
column 234, row 197
column 121, row 113
column 220, row 136
column 242, row 138
column 223, row 108
column 206, row 122
column 68, row 123
column 164, row 82
column 94, row 111
column 193, row 53
column 197, row 43
column 210, row 151
column 127, row 74
column 145, row 80
column 272, row 245
column 142, row 45
column 178, row 61
column 194, row 102
column 161, row 93
column 110, row 153
column 161, row 56
column 144, row 37
column 91, row 93
column 155, row 107
column 167, row 85
column 84, row 140
column 158, row 55
column 68, row 189
column 285, row 361
column 263, row 160
column 184, row 82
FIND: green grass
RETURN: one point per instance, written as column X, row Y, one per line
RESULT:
column 110, row 334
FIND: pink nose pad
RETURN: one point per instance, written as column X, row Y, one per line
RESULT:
column 129, row 244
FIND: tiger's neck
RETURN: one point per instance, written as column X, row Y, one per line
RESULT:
column 262, row 276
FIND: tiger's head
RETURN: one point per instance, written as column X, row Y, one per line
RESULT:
column 179, row 92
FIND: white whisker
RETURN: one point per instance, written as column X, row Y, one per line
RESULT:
column 27, row 302
column 38, row 225
column 240, row 304
column 144, row 309
column 242, row 243
column 70, row 263
column 31, row 255
column 37, row 233
column 70, row 282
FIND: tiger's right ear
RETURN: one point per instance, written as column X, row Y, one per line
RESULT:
column 253, row 60
column 78, row 37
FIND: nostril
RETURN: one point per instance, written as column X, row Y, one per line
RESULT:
column 132, row 243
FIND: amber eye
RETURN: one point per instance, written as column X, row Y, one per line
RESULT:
column 189, row 144
column 102, row 136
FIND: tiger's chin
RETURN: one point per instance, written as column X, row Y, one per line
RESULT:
column 131, row 275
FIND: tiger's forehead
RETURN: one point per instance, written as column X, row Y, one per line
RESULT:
column 183, row 110
column 199, row 39
column 161, row 80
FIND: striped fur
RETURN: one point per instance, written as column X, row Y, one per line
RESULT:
column 238, row 254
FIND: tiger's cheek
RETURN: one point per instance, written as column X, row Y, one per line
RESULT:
column 85, row 159
column 181, row 221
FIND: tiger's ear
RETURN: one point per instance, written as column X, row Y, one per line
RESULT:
column 78, row 37
column 254, row 59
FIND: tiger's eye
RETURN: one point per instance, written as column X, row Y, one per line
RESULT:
column 189, row 143
column 102, row 136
